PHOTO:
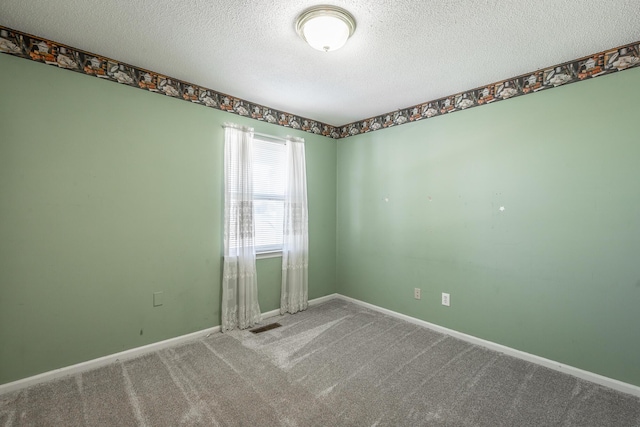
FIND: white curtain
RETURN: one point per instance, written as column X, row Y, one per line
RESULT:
column 239, row 281
column 295, row 248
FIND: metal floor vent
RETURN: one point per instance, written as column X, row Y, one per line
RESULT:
column 265, row 328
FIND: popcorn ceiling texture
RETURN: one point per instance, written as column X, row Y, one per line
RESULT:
column 402, row 53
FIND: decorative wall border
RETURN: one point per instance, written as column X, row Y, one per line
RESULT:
column 606, row 62
column 38, row 49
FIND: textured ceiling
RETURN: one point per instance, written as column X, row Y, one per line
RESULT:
column 402, row 53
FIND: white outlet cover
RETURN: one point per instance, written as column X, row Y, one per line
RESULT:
column 446, row 299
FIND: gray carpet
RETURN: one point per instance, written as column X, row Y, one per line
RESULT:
column 336, row 364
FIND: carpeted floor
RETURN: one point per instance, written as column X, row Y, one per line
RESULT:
column 337, row 364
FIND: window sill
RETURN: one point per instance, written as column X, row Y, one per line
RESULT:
column 264, row 255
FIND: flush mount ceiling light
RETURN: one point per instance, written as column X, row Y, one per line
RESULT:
column 325, row 27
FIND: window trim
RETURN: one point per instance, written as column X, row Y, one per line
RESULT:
column 269, row 254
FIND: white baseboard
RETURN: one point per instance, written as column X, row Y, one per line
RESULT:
column 312, row 302
column 150, row 348
column 323, row 299
column 556, row 366
column 125, row 355
column 272, row 313
column 102, row 361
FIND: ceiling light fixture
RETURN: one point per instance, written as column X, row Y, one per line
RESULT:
column 325, row 27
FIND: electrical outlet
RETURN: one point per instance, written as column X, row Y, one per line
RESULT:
column 416, row 293
column 446, row 299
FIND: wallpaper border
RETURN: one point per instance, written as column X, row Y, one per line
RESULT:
column 606, row 62
column 27, row 46
column 17, row 43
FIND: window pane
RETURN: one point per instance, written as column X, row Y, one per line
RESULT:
column 268, row 193
column 268, row 168
column 268, row 223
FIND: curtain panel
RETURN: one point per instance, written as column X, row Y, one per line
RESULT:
column 295, row 248
column 240, row 307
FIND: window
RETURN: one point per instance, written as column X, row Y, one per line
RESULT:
column 269, row 169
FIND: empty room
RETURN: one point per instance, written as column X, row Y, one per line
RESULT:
column 276, row 213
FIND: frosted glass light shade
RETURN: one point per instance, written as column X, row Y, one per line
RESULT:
column 325, row 28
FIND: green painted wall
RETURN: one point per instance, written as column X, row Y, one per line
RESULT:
column 109, row 194
column 557, row 273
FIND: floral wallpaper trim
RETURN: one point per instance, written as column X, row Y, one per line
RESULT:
column 607, row 62
column 27, row 46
